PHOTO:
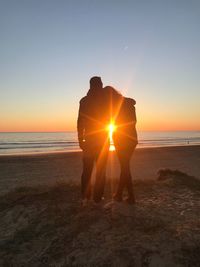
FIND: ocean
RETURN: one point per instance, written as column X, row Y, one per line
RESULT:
column 33, row 143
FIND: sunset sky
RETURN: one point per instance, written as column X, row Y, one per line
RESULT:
column 148, row 50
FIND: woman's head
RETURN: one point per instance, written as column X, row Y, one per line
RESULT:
column 114, row 101
column 112, row 92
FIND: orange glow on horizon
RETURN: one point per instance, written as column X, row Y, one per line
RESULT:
column 13, row 124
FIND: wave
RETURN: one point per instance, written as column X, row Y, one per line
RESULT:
column 35, row 142
column 21, row 142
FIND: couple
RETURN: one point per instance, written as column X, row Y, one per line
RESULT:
column 97, row 110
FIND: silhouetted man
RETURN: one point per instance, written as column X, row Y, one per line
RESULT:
column 93, row 139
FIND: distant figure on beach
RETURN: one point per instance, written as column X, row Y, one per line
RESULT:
column 122, row 112
column 93, row 140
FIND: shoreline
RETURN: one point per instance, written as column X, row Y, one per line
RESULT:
column 53, row 153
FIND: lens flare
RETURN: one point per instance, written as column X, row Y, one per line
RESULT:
column 111, row 128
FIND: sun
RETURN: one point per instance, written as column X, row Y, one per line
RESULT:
column 111, row 128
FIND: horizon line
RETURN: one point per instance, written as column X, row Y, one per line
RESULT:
column 76, row 131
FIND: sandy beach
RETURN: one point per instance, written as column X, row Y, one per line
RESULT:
column 43, row 224
column 47, row 169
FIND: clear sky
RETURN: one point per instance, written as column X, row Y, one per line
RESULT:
column 149, row 50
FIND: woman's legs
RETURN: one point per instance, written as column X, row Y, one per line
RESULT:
column 125, row 180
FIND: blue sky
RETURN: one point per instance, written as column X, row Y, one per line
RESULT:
column 149, row 50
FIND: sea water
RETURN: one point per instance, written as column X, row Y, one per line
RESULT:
column 43, row 142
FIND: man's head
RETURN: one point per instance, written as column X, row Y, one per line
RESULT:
column 96, row 83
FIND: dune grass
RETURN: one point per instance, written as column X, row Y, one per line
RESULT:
column 46, row 226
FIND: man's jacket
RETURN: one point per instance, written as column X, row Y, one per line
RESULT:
column 92, row 121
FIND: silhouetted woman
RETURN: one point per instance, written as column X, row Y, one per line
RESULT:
column 122, row 113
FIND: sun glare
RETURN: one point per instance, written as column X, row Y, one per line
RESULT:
column 111, row 129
